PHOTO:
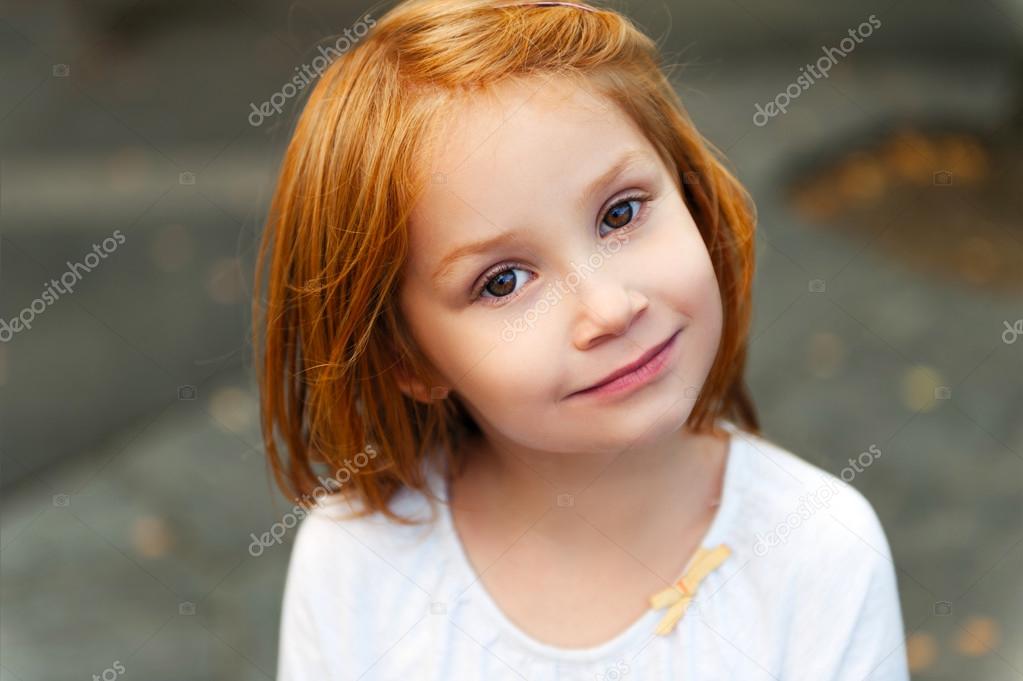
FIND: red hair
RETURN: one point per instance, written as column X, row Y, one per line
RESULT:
column 336, row 237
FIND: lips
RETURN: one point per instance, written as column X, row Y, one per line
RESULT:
column 632, row 366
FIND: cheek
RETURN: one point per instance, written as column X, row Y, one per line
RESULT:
column 504, row 364
column 494, row 358
column 677, row 268
column 509, row 387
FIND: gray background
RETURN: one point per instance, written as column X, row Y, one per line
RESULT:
column 127, row 511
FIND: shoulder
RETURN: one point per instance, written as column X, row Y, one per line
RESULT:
column 358, row 579
column 807, row 513
column 811, row 539
column 345, row 547
column 332, row 541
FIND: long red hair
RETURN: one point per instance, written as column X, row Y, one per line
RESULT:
column 336, row 237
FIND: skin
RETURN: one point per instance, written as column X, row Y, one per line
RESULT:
column 518, row 160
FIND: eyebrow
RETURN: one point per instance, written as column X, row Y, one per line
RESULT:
column 624, row 163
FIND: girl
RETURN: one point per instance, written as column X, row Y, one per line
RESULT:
column 505, row 326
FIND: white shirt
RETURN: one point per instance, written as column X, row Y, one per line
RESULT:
column 808, row 592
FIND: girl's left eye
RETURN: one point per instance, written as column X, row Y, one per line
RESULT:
column 622, row 214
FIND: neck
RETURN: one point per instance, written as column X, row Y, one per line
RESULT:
column 680, row 474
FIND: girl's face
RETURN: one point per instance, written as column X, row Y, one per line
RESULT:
column 592, row 260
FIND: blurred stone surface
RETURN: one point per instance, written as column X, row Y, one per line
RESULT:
column 128, row 505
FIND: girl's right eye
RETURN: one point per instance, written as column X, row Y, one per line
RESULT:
column 500, row 283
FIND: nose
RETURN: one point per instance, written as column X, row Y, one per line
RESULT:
column 607, row 308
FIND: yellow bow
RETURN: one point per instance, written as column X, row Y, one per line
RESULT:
column 680, row 594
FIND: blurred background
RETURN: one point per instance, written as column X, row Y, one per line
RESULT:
column 134, row 180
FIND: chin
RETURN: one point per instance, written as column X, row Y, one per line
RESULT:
column 663, row 425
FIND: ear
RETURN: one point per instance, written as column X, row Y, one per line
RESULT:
column 419, row 391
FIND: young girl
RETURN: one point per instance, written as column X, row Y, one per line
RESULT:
column 506, row 313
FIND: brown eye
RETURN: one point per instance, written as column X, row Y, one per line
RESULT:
column 622, row 213
column 502, row 284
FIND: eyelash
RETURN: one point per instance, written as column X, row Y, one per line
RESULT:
column 477, row 293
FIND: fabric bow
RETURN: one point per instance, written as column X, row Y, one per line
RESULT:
column 680, row 594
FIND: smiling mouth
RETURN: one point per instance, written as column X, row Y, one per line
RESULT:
column 635, row 373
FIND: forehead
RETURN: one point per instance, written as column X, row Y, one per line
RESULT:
column 502, row 155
